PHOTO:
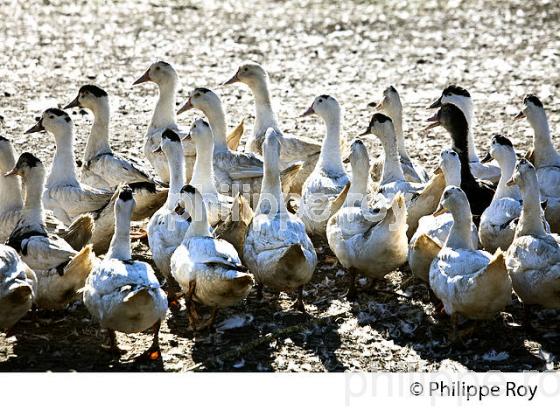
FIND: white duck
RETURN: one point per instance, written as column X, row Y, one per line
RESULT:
column 533, row 259
column 164, row 117
column 235, row 172
column 123, row 294
column 167, row 227
column 367, row 241
column 499, row 220
column 293, row 148
column 421, row 199
column 432, row 230
column 469, row 282
column 18, row 287
column 208, row 269
column 329, row 178
column 277, row 249
column 391, row 106
column 61, row 271
column 217, row 205
column 102, row 168
column 461, row 98
column 546, row 159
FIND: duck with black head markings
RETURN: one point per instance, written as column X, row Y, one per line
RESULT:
column 165, row 77
column 61, row 271
column 123, row 294
column 460, row 97
column 545, row 157
column 452, row 118
column 533, row 259
column 234, row 171
column 102, row 168
column 294, row 148
column 391, row 106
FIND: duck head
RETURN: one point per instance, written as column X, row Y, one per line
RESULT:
column 202, row 99
column 125, row 202
column 160, row 73
column 381, row 126
column 450, row 166
column 450, row 117
column 453, row 199
column 200, row 133
column 26, row 166
column 249, row 73
column 524, row 174
column 453, row 94
column 170, row 141
column 7, row 156
column 324, row 106
column 533, row 110
column 390, row 104
column 54, row 121
column 90, row 97
column 501, row 149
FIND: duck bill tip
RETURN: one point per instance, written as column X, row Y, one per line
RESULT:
column 308, row 112
column 435, row 104
column 186, row 107
column 144, row 79
column 232, row 80
column 519, row 116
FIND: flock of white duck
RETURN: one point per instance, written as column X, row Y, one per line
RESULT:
column 473, row 230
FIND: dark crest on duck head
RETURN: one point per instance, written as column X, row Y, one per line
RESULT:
column 2, row 139
column 380, row 118
column 533, row 99
column 188, row 189
column 27, row 160
column 202, row 90
column 170, row 135
column 93, row 89
column 455, row 89
column 125, row 194
column 500, row 139
column 59, row 113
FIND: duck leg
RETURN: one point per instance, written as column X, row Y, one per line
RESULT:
column 352, row 292
column 154, row 351
column 191, row 310
column 210, row 322
column 298, row 304
column 111, row 344
column 259, row 287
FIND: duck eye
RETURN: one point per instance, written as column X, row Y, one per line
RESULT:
column 196, row 94
column 320, row 100
column 51, row 116
column 245, row 69
column 157, row 68
column 376, row 210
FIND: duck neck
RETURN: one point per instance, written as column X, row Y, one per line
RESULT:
column 461, row 147
column 471, row 147
column 531, row 221
column 164, row 113
column 203, row 171
column 329, row 159
column 10, row 189
column 63, row 170
column 358, row 186
column 264, row 112
column 507, row 165
column 544, row 151
column 33, row 184
column 452, row 177
column 460, row 234
column 392, row 169
column 98, row 141
column 120, row 244
column 217, row 119
column 176, row 162
column 398, row 123
column 271, row 192
column 199, row 225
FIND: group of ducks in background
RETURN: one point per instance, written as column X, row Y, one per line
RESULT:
column 473, row 230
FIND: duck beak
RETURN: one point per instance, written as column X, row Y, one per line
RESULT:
column 366, row 132
column 308, row 112
column 435, row 104
column 434, row 122
column 375, row 105
column 438, row 171
column 487, row 158
column 145, row 78
column 520, row 115
column 232, row 80
column 187, row 137
column 439, row 211
column 36, row 128
column 510, row 182
column 346, row 160
column 158, row 149
column 73, row 104
column 14, row 171
column 187, row 106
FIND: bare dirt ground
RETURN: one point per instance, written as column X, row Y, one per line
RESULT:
column 352, row 50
